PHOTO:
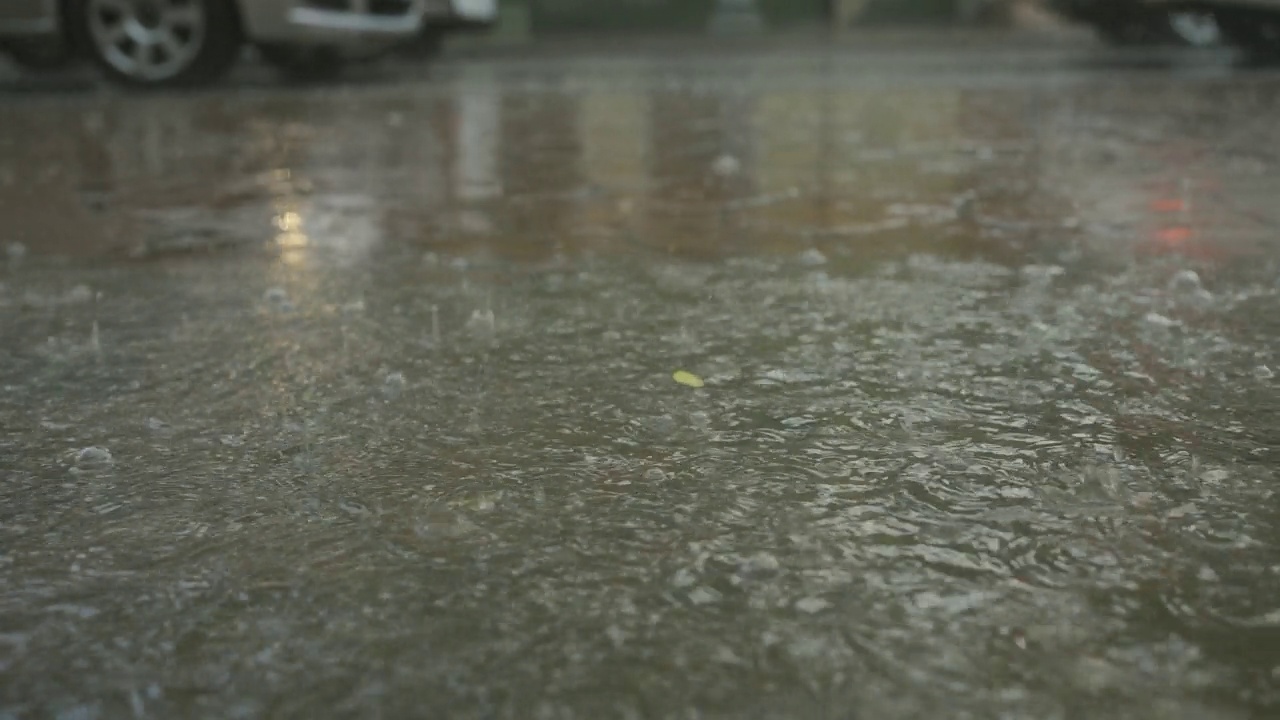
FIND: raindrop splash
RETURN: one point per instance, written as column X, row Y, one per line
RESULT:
column 94, row 458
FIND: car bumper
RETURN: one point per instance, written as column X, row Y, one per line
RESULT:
column 1090, row 10
column 356, row 22
column 474, row 12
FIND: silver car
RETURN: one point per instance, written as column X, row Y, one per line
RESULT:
column 187, row 42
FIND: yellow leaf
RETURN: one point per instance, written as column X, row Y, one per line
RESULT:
column 687, row 378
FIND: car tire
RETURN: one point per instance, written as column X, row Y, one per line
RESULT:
column 164, row 43
column 301, row 63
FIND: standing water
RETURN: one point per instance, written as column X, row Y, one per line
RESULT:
column 915, row 409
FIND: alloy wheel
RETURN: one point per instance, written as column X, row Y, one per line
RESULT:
column 147, row 40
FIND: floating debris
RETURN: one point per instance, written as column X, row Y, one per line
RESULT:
column 687, row 378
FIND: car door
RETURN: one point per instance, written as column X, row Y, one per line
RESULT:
column 22, row 17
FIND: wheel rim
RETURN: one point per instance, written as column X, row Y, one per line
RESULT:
column 149, row 40
column 1198, row 29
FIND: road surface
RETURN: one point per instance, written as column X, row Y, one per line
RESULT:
column 378, row 399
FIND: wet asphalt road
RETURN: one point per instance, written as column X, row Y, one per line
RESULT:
column 358, row 401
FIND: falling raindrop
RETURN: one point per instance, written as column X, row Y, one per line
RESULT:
column 1215, row 476
column 965, row 205
column 393, row 384
column 812, row 605
column 1042, row 273
column 761, row 562
column 812, row 257
column 616, row 635
column 278, row 299
column 79, row 294
column 703, row 595
column 481, row 321
column 683, row 578
column 80, row 712
column 1186, row 287
column 726, row 166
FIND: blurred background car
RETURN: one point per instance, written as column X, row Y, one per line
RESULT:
column 192, row 42
column 1251, row 25
column 1136, row 22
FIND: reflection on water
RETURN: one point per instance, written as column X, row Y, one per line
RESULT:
column 409, row 443
column 488, row 167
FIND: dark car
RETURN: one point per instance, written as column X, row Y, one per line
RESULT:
column 1251, row 25
column 1137, row 22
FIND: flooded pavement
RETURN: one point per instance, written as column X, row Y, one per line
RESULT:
column 359, row 401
